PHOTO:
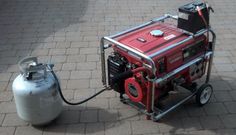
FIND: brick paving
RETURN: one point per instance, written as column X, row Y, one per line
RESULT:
column 67, row 33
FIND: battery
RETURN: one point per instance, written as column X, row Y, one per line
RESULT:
column 189, row 19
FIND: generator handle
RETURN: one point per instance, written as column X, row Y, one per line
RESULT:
column 155, row 20
column 211, row 56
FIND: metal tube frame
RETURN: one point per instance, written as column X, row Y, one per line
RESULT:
column 151, row 64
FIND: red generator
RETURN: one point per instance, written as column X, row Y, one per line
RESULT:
column 152, row 60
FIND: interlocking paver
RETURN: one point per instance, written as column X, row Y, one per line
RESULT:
column 215, row 109
column 68, row 117
column 231, row 106
column 7, row 107
column 12, row 119
column 75, row 129
column 139, row 128
column 7, row 130
column 95, row 129
column 118, row 128
column 2, row 116
column 229, row 120
column 211, row 122
column 89, row 116
column 29, row 130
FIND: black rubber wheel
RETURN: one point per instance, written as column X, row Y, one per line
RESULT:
column 203, row 94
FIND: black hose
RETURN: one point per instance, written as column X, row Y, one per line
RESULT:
column 77, row 103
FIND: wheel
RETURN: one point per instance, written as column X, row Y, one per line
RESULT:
column 203, row 94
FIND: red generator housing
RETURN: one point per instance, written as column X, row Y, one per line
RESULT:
column 150, row 60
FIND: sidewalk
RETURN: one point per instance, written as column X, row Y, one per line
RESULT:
column 67, row 33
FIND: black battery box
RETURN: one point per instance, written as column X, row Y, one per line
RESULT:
column 189, row 19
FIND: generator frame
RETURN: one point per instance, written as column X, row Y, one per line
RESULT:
column 156, row 113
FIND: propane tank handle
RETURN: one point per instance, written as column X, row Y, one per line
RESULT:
column 35, row 69
column 29, row 65
column 25, row 63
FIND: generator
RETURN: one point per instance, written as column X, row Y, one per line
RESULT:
column 154, row 59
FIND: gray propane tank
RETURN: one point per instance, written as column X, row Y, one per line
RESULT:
column 36, row 93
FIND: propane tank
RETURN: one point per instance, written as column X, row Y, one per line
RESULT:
column 36, row 93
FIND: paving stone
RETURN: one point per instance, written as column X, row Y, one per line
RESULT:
column 89, row 116
column 2, row 116
column 40, row 52
column 7, row 130
column 191, row 124
column 68, row 94
column 95, row 129
column 78, row 84
column 118, row 128
column 13, row 68
column 80, row 74
column 225, row 132
column 222, row 60
column 63, row 74
column 95, row 83
column 128, row 114
column 116, row 104
column 75, row 129
column 170, row 125
column 29, row 130
column 231, row 106
column 86, row 66
column 75, row 58
column 96, row 74
column 6, row 96
column 150, row 127
column 54, row 130
column 83, row 93
column 98, row 103
column 5, row 76
column 233, row 94
column 202, row 132
column 228, row 76
column 232, row 84
column 215, row 109
column 224, row 68
column 57, row 51
column 68, row 117
column 58, row 59
column 72, row 51
column 12, row 119
column 211, row 122
column 63, row 44
column 229, row 120
column 92, row 57
column 223, row 96
column 7, row 107
column 107, row 115
column 107, row 94
column 3, row 85
column 220, row 85
column 88, row 50
column 69, row 66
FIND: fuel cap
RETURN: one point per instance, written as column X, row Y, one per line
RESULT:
column 157, row 33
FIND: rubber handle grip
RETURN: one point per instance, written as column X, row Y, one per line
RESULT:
column 122, row 76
